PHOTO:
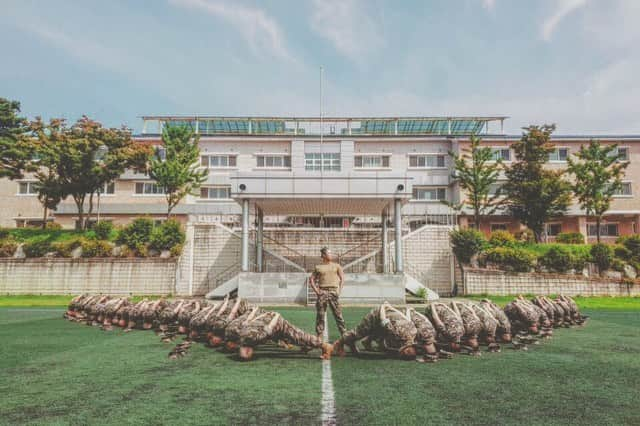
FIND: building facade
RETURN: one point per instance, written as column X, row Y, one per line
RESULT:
column 335, row 173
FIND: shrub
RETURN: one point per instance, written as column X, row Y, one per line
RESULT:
column 4, row 233
column 579, row 262
column 103, row 229
column 8, row 247
column 632, row 243
column 167, row 235
column 601, row 254
column 467, row 243
column 622, row 252
column 501, row 238
column 37, row 248
column 136, row 233
column 525, row 236
column 176, row 250
column 53, row 226
column 617, row 265
column 557, row 259
column 65, row 248
column 421, row 293
column 570, row 238
column 95, row 248
column 510, row 258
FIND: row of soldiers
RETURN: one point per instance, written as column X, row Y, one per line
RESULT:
column 443, row 329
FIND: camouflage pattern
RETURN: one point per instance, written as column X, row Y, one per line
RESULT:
column 447, row 323
column 426, row 332
column 521, row 316
column 488, row 321
column 199, row 321
column 261, row 327
column 472, row 324
column 386, row 324
column 217, row 323
column 504, row 325
column 331, row 298
column 187, row 312
column 169, row 315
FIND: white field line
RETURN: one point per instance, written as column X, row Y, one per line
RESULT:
column 328, row 398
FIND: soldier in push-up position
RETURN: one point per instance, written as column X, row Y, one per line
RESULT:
column 258, row 327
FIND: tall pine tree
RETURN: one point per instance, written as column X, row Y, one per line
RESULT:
column 535, row 194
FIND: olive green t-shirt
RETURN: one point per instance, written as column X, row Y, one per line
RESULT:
column 327, row 275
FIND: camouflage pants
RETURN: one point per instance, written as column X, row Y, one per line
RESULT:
column 331, row 298
column 368, row 327
column 256, row 333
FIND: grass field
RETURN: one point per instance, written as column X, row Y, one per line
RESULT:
column 54, row 371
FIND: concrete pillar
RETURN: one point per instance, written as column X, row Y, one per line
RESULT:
column 244, row 252
column 385, row 242
column 582, row 227
column 259, row 239
column 397, row 216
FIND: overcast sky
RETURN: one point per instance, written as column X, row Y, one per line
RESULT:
column 571, row 62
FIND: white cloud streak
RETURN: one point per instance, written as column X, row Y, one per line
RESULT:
column 348, row 26
column 564, row 8
column 489, row 4
column 259, row 30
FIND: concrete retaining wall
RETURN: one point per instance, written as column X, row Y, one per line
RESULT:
column 75, row 276
column 500, row 283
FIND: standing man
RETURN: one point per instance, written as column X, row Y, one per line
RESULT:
column 326, row 281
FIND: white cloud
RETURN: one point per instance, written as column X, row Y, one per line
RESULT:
column 260, row 30
column 563, row 9
column 348, row 26
column 489, row 4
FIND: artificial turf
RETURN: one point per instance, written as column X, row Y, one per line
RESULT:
column 54, row 371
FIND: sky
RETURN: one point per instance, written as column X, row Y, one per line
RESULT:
column 574, row 63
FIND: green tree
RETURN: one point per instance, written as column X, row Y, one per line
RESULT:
column 50, row 192
column 535, row 194
column 476, row 172
column 597, row 177
column 14, row 148
column 178, row 171
column 83, row 158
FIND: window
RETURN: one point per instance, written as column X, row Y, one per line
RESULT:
column 109, row 189
column 426, row 161
column 503, row 154
column 495, row 187
column 429, row 194
column 274, row 161
column 27, row 188
column 498, row 227
column 553, row 229
column 606, row 229
column 148, row 188
column 218, row 161
column 161, row 153
column 215, row 193
column 322, row 161
column 625, row 190
column 623, row 152
column 559, row 155
column 371, row 161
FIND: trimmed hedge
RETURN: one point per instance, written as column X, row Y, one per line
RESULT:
column 137, row 234
column 510, row 258
column 570, row 238
column 560, row 259
column 167, row 235
column 501, row 238
column 103, row 229
column 466, row 243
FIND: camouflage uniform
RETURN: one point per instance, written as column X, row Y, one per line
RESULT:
column 471, row 322
column 168, row 316
column 199, row 321
column 447, row 323
column 426, row 332
column 265, row 326
column 488, row 321
column 393, row 328
column 521, row 316
column 229, row 311
column 186, row 313
column 503, row 323
column 328, row 295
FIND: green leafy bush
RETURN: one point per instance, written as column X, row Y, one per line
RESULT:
column 137, row 233
column 570, row 238
column 467, row 243
column 103, row 229
column 95, row 248
column 510, row 258
column 176, row 250
column 8, row 247
column 4, row 233
column 525, row 236
column 632, row 243
column 621, row 252
column 53, row 226
column 167, row 235
column 602, row 254
column 617, row 265
column 579, row 262
column 65, row 248
column 557, row 259
column 37, row 248
column 501, row 238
